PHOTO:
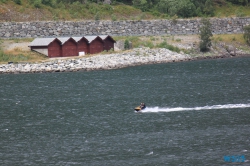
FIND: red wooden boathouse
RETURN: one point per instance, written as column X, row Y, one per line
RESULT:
column 69, row 46
column 82, row 44
column 95, row 44
column 108, row 42
column 50, row 47
column 72, row 46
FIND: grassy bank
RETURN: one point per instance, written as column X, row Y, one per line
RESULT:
column 18, row 53
column 20, row 56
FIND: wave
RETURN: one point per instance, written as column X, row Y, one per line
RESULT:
column 213, row 107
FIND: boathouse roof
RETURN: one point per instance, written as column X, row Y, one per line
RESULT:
column 103, row 37
column 63, row 39
column 41, row 41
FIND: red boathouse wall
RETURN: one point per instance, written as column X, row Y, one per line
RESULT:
column 108, row 43
column 96, row 46
column 54, row 49
column 82, row 45
column 69, row 48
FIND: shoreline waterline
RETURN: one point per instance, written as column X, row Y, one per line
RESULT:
column 135, row 57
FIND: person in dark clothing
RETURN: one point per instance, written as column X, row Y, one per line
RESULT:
column 143, row 106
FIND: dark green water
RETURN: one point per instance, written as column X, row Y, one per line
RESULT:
column 197, row 113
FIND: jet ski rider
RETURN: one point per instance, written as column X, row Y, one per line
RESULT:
column 143, row 106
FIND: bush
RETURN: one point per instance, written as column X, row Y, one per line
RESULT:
column 205, row 35
column 113, row 17
column 239, row 12
column 3, row 1
column 37, row 3
column 246, row 34
column 180, row 8
column 144, row 5
column 126, row 44
column 209, row 8
column 97, row 16
column 19, row 2
column 168, row 46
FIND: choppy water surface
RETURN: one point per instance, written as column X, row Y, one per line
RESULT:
column 197, row 113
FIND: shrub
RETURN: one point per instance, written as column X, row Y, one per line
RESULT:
column 168, row 46
column 205, row 35
column 19, row 2
column 126, row 44
column 3, row 1
column 182, row 8
column 156, row 13
column 239, row 12
column 144, row 5
column 246, row 34
column 37, row 3
column 209, row 8
column 113, row 17
column 97, row 16
column 178, row 40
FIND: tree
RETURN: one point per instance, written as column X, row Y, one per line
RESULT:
column 19, row 2
column 209, row 8
column 246, row 34
column 240, row 2
column 205, row 35
column 126, row 44
column 144, row 5
column 186, row 9
column 182, row 8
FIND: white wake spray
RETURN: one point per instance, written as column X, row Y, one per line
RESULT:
column 226, row 106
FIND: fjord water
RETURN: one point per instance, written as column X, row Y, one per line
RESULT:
column 197, row 113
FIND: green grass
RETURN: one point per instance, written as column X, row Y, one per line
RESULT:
column 136, row 40
column 17, row 55
column 168, row 46
column 147, row 42
column 230, row 10
column 22, row 57
column 13, row 58
column 71, row 12
column 229, row 38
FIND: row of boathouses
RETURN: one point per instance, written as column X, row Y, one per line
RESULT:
column 72, row 46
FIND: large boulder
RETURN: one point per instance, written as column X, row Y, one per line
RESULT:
column 119, row 45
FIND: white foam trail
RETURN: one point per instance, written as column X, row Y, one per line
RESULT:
column 227, row 106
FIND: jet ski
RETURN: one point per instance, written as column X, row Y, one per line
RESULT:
column 139, row 108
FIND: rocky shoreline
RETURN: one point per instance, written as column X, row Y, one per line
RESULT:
column 137, row 56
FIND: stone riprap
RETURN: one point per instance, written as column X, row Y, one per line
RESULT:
column 134, row 57
column 118, row 28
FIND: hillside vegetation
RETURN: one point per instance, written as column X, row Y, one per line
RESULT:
column 54, row 10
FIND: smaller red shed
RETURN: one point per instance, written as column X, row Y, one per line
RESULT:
column 50, row 47
column 69, row 46
column 95, row 44
column 82, row 45
column 108, row 42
